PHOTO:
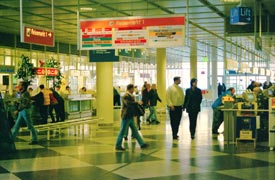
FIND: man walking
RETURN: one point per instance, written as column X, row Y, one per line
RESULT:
column 127, row 114
column 24, row 112
column 192, row 104
column 175, row 100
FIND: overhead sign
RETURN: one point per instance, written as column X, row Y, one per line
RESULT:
column 240, row 15
column 103, row 55
column 7, row 69
column 131, row 32
column 37, row 35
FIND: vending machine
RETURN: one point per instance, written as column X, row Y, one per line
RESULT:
column 271, row 123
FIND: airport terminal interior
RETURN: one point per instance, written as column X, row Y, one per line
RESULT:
column 88, row 51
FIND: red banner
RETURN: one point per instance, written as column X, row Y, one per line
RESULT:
column 37, row 35
column 52, row 71
column 40, row 71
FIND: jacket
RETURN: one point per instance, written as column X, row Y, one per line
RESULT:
column 24, row 102
column 129, row 106
column 145, row 97
column 153, row 97
column 218, row 101
column 193, row 99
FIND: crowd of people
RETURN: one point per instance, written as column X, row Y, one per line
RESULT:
column 177, row 101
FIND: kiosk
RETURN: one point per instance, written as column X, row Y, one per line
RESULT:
column 271, row 123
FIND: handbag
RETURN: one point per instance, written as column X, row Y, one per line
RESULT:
column 140, row 110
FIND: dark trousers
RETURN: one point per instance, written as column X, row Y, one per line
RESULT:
column 193, row 122
column 217, row 119
column 55, row 108
column 44, row 112
column 175, row 117
column 61, row 111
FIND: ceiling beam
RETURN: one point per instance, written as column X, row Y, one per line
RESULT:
column 213, row 8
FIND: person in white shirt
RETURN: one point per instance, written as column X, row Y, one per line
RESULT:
column 175, row 100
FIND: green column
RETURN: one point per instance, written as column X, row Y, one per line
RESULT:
column 193, row 59
column 161, row 75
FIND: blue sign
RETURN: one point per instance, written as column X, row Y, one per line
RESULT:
column 240, row 15
column 103, row 55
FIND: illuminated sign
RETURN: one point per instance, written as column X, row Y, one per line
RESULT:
column 240, row 15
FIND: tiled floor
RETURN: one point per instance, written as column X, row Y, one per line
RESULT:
column 93, row 157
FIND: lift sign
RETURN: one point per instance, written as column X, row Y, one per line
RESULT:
column 240, row 15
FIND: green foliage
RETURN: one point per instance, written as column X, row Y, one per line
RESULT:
column 25, row 70
column 52, row 63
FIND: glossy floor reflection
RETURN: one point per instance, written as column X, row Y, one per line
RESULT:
column 92, row 156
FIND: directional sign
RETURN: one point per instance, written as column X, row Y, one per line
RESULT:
column 37, row 35
column 240, row 16
column 103, row 55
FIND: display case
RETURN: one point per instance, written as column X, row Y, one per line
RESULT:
column 79, row 106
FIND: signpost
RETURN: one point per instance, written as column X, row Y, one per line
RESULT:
column 37, row 35
column 240, row 16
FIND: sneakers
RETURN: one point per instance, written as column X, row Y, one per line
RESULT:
column 120, row 149
column 175, row 137
column 143, row 146
column 33, row 143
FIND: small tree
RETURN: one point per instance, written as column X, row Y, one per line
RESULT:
column 25, row 70
column 52, row 63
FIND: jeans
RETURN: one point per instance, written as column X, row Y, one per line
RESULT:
column 153, row 113
column 24, row 115
column 125, row 124
column 175, row 118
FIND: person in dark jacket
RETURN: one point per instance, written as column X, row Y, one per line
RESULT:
column 192, row 104
column 153, row 99
column 128, row 112
column 24, row 112
column 145, row 98
column 58, row 107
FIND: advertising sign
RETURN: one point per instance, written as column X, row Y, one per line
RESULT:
column 131, row 32
column 37, row 35
column 40, row 71
column 46, row 71
column 52, row 71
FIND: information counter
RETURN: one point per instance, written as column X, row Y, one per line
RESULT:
column 79, row 106
column 241, row 124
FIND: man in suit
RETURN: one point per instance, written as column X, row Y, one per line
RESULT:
column 128, row 112
column 192, row 104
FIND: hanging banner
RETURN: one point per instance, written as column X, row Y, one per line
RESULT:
column 131, row 32
column 37, row 35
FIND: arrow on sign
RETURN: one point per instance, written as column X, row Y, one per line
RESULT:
column 50, row 34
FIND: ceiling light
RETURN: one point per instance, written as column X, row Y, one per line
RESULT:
column 231, row 1
column 87, row 9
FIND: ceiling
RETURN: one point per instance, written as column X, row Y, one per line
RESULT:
column 205, row 25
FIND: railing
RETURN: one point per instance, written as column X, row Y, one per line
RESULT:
column 65, row 124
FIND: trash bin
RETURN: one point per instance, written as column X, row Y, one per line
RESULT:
column 117, row 113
